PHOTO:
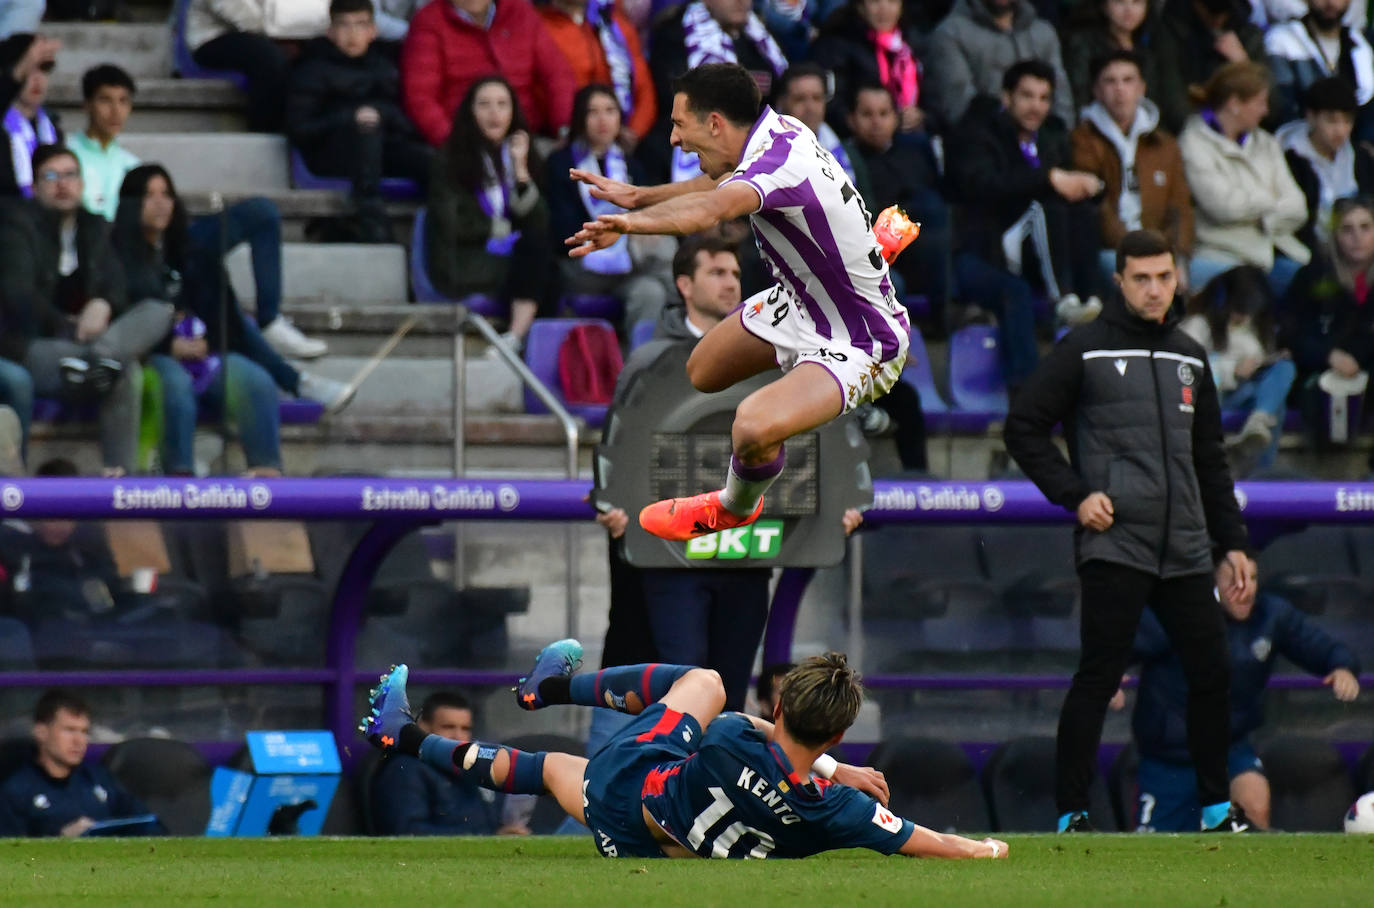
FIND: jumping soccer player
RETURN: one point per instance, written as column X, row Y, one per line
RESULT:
column 832, row 323
column 661, row 788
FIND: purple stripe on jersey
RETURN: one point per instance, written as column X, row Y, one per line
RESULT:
column 798, row 285
column 779, row 147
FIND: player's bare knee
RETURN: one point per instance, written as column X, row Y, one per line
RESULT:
column 709, row 683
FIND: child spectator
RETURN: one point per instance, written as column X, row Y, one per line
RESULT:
column 488, row 222
column 343, row 112
column 228, row 35
column 27, row 124
column 108, row 93
column 1325, row 163
column 867, row 43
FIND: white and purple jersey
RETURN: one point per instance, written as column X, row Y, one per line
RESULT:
column 815, row 234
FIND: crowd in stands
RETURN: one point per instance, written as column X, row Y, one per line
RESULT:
column 1026, row 137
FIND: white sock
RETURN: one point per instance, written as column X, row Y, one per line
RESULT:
column 745, row 485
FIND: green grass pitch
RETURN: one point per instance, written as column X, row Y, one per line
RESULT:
column 1088, row 871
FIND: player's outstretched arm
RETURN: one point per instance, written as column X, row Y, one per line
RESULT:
column 927, row 843
column 630, row 196
column 681, row 216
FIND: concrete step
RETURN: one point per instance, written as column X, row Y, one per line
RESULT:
column 242, row 163
column 141, row 49
column 422, row 386
column 339, row 272
column 359, row 329
column 163, row 104
column 299, row 206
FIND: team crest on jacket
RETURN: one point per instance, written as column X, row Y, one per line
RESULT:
column 1185, row 375
column 1261, row 648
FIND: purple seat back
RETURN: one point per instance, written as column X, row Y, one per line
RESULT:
column 397, row 188
column 642, row 332
column 425, row 291
column 917, row 305
column 592, row 305
column 919, row 375
column 300, row 412
column 975, row 370
column 185, row 64
column 541, row 355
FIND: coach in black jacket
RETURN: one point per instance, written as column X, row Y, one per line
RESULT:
column 1147, row 476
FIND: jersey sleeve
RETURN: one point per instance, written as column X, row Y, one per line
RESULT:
column 727, row 728
column 775, row 174
column 859, row 821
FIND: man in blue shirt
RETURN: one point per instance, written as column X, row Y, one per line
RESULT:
column 677, row 781
column 58, row 793
column 1258, row 629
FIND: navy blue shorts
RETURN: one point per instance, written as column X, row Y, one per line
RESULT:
column 1166, row 793
column 614, row 779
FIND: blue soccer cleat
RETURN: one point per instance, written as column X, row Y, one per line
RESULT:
column 560, row 658
column 390, row 710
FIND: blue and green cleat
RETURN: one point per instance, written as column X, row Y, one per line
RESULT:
column 390, row 710
column 559, row 659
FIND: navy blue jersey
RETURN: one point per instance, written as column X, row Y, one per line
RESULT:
column 739, row 797
column 33, row 803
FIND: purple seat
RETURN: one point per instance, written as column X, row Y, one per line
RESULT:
column 975, row 370
column 541, row 355
column 398, row 188
column 917, row 305
column 298, row 411
column 592, row 305
column 185, row 64
column 919, row 375
column 642, row 333
column 425, row 291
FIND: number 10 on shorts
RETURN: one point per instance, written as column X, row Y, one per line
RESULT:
column 759, row 540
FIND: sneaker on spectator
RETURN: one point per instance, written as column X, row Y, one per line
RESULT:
column 335, row 395
column 287, row 340
column 1073, row 312
column 515, row 344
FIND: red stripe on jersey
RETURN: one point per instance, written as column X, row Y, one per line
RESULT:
column 510, row 770
column 644, row 683
column 596, row 687
column 664, row 725
column 657, row 779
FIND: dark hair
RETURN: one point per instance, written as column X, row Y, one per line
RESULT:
column 685, row 259
column 45, row 153
column 769, row 680
column 1021, row 69
column 1141, row 244
column 820, row 699
column 1331, row 93
column 57, row 466
column 441, row 699
column 464, row 149
column 864, row 85
column 793, row 73
column 1243, row 290
column 582, row 101
column 128, row 235
column 344, row 7
column 1102, row 61
column 97, row 77
column 723, row 88
column 45, row 710
column 1243, row 80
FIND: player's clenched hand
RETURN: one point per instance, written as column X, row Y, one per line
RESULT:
column 598, row 234
column 996, row 848
column 616, row 192
column 865, row 778
column 1344, row 684
column 1095, row 512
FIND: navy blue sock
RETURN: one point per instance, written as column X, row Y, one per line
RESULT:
column 649, row 681
column 473, row 760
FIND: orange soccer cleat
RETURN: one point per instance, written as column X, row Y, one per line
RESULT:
column 687, row 518
column 895, row 231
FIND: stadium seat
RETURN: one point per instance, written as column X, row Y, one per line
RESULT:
column 548, row 815
column 1019, row 780
column 541, row 355
column 1033, row 570
column 975, row 370
column 185, row 64
column 398, row 188
column 424, row 289
column 592, row 305
column 14, row 753
column 364, row 774
column 933, row 783
column 170, row 777
column 1121, row 782
column 642, row 332
column 1309, row 783
column 346, row 815
column 918, row 374
column 16, row 646
column 1315, row 570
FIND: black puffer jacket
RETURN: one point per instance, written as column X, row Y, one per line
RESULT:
column 1143, row 424
column 327, row 87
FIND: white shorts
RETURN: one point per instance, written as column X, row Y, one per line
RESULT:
column 774, row 317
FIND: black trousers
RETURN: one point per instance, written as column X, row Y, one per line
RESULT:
column 365, row 156
column 903, row 404
column 263, row 63
column 1114, row 597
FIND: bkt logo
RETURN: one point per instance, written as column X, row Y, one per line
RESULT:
column 759, row 540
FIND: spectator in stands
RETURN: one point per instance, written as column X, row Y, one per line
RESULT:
column 228, row 35
column 488, row 221
column 1116, row 25
column 108, row 93
column 1314, row 47
column 703, row 31
column 800, row 93
column 409, row 797
column 976, row 44
column 1010, row 165
column 891, row 172
column 1119, row 140
column 868, row 43
column 1326, row 164
column 67, row 316
column 1259, row 629
column 27, row 124
column 58, row 792
column 602, row 47
column 21, row 16
column 1196, row 38
column 454, row 44
column 767, row 691
column 343, row 112
column 393, row 18
column 1232, row 317
column 612, row 271
column 19, row 56
column 151, row 235
column 1247, row 208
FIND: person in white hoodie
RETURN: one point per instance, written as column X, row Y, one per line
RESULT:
column 1247, row 207
column 1326, row 164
